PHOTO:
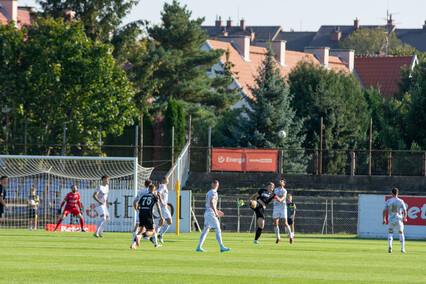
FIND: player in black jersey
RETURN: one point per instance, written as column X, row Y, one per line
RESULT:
column 258, row 203
column 3, row 183
column 146, row 214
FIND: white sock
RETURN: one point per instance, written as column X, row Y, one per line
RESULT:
column 154, row 238
column 103, row 226
column 289, row 231
column 164, row 229
column 390, row 238
column 157, row 229
column 277, row 232
column 402, row 240
column 203, row 236
column 292, row 235
column 99, row 225
column 219, row 237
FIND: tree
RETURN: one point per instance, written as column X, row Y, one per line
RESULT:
column 10, row 80
column 416, row 118
column 338, row 98
column 175, row 66
column 67, row 80
column 268, row 112
column 373, row 41
column 101, row 18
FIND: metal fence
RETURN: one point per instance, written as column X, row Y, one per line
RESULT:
column 314, row 215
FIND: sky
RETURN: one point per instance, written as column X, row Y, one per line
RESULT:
column 297, row 15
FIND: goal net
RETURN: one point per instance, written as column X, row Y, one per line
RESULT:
column 52, row 178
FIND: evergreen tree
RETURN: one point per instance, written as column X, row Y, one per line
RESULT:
column 268, row 112
column 175, row 66
column 173, row 117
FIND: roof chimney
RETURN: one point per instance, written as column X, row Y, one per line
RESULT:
column 218, row 22
column 241, row 43
column 229, row 23
column 424, row 27
column 320, row 52
column 243, row 24
column 335, row 35
column 278, row 47
column 346, row 55
column 356, row 24
column 390, row 21
column 11, row 9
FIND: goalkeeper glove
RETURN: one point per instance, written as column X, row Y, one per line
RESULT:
column 59, row 211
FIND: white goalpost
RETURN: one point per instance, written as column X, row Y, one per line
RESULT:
column 52, row 178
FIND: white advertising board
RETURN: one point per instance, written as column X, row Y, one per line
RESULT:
column 370, row 216
column 123, row 215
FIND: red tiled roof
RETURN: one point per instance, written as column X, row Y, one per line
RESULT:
column 382, row 70
column 246, row 71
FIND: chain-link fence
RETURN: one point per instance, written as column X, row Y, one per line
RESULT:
column 314, row 215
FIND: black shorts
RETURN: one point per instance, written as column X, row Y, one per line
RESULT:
column 32, row 213
column 146, row 221
column 290, row 221
column 259, row 210
column 1, row 211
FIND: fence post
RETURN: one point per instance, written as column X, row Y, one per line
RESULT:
column 390, row 163
column 316, row 162
column 7, row 131
column 25, row 139
column 238, row 214
column 424, row 164
column 136, row 154
column 141, row 153
column 369, row 148
column 209, row 141
column 173, row 145
column 189, row 139
column 100, row 140
column 320, row 152
column 332, row 218
column 64, row 140
column 353, row 163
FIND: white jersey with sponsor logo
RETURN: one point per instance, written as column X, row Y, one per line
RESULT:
column 280, row 192
column 395, row 207
column 140, row 193
column 212, row 194
column 102, row 193
column 164, row 193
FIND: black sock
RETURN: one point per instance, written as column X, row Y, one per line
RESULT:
column 258, row 233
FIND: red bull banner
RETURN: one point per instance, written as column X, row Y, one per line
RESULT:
column 244, row 160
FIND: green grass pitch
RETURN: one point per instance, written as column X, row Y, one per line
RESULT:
column 79, row 258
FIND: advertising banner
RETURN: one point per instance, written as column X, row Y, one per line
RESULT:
column 245, row 160
column 370, row 216
column 122, row 213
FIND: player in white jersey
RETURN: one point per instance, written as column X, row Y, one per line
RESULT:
column 211, row 220
column 101, row 197
column 135, row 204
column 280, row 210
column 397, row 212
column 163, row 193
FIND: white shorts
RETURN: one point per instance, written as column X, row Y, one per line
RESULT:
column 165, row 212
column 396, row 226
column 279, row 212
column 211, row 221
column 102, row 210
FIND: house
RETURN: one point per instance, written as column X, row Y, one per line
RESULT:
column 383, row 71
column 327, row 35
column 9, row 11
column 247, row 59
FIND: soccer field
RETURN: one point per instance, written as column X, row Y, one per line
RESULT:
column 79, row 257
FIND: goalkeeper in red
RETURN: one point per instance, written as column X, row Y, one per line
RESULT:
column 72, row 199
